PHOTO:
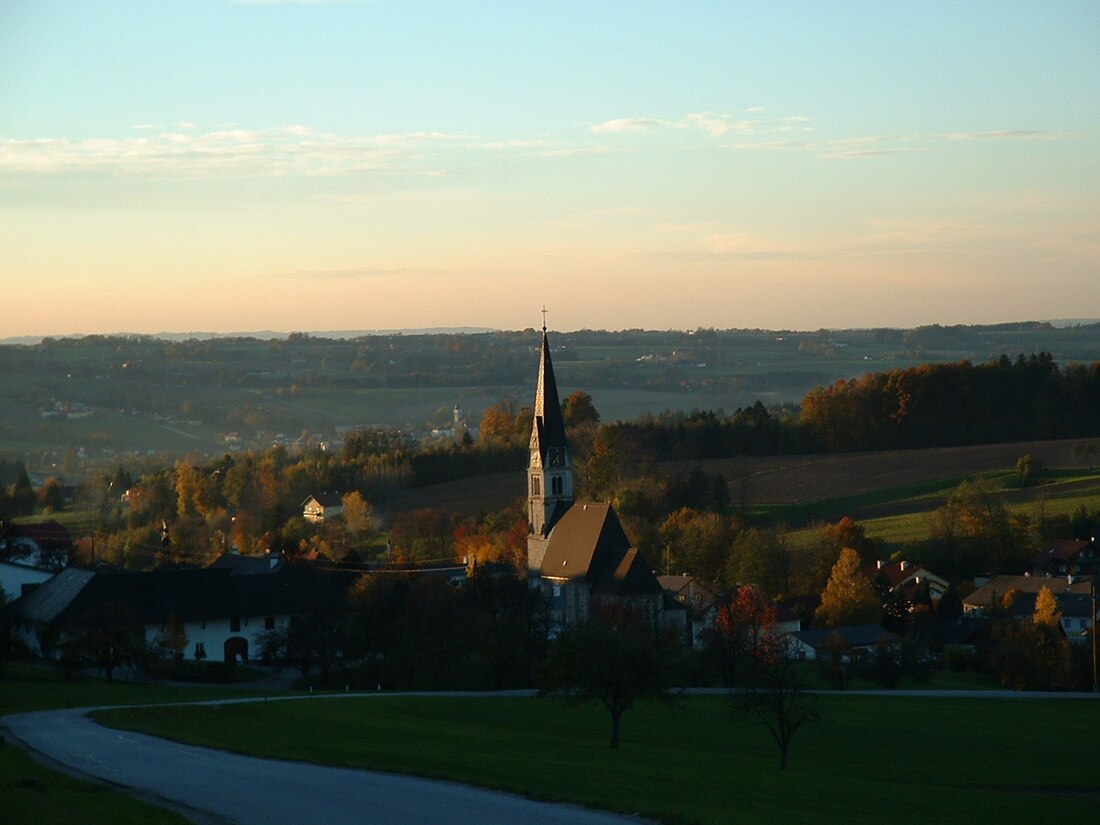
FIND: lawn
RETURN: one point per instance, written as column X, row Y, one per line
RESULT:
column 870, row 760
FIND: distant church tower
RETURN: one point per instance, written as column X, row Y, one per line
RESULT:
column 550, row 467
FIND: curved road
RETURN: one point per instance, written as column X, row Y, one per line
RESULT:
column 217, row 787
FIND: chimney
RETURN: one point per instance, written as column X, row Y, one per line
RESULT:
column 904, row 564
column 880, row 564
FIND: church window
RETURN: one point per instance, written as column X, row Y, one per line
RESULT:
column 535, row 486
column 556, row 485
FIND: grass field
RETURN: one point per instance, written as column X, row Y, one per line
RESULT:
column 870, row 759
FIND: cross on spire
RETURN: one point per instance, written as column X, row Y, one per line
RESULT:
column 544, row 318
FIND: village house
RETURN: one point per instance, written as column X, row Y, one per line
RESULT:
column 224, row 610
column 1067, row 557
column 905, row 579
column 1073, row 597
column 322, row 507
column 857, row 640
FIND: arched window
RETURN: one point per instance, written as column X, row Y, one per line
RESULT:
column 556, row 485
column 535, row 485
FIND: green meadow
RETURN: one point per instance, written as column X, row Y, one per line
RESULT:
column 871, row 759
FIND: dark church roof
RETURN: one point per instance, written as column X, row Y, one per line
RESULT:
column 589, row 544
column 549, row 427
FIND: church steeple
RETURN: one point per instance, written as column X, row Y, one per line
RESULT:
column 550, row 468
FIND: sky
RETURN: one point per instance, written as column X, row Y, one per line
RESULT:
column 218, row 166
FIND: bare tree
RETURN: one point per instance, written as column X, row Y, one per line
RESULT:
column 778, row 698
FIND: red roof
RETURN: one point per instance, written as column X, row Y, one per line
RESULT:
column 1062, row 550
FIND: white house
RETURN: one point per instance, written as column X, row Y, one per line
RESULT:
column 322, row 507
column 224, row 612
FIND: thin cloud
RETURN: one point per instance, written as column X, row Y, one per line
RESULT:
column 340, row 274
column 627, row 124
column 576, row 153
column 775, row 145
column 287, row 150
column 1012, row 134
column 715, row 124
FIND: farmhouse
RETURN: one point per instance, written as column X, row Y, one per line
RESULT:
column 224, row 611
column 577, row 553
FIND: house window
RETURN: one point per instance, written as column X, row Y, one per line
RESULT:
column 535, row 486
column 200, row 650
column 269, row 623
column 235, row 624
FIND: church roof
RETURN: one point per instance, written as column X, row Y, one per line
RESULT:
column 589, row 544
column 549, row 428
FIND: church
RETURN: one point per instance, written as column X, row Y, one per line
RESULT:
column 578, row 554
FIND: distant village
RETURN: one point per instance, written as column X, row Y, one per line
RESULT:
column 390, row 618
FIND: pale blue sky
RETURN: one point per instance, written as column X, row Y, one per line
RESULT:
column 310, row 166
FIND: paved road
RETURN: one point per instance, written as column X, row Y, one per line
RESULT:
column 217, row 787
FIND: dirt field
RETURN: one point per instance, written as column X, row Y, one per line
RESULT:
column 777, row 479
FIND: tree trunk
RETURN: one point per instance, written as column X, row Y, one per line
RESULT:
column 616, row 717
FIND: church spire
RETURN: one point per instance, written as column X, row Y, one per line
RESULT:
column 550, row 470
column 549, row 428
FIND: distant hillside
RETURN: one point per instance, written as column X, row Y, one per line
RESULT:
column 81, row 401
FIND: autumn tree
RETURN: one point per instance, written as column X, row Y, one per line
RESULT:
column 1046, row 608
column 849, row 597
column 578, row 409
column 744, row 632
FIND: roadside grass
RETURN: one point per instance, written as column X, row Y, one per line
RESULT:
column 25, row 687
column 32, row 793
column 869, row 760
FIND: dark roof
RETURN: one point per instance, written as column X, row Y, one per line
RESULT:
column 237, row 564
column 860, row 635
column 46, row 602
column 1070, row 605
column 1002, row 585
column 1061, row 550
column 190, row 595
column 326, row 499
column 589, row 544
column 46, row 534
column 938, row 632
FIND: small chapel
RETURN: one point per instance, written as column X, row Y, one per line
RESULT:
column 578, row 554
